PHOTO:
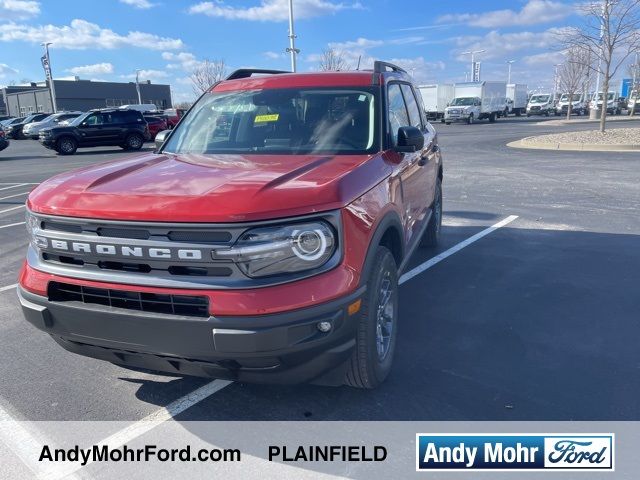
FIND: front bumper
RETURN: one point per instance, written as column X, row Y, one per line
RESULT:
column 4, row 143
column 276, row 348
column 457, row 117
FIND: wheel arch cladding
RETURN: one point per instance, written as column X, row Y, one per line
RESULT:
column 388, row 234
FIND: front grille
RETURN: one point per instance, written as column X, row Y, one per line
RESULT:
column 187, row 305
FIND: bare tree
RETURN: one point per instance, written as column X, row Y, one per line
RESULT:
column 634, row 91
column 206, row 74
column 572, row 73
column 333, row 60
column 610, row 32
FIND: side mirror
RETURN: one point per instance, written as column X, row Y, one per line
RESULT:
column 448, row 104
column 410, row 139
column 161, row 137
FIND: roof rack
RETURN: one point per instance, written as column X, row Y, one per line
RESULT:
column 381, row 67
column 248, row 72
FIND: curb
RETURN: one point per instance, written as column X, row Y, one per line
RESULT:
column 586, row 121
column 583, row 147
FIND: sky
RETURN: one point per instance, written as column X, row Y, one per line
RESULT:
column 110, row 39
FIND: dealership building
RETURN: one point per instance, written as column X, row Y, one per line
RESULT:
column 81, row 95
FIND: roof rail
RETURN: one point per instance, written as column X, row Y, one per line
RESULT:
column 248, row 72
column 381, row 67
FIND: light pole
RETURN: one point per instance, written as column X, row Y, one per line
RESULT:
column 473, row 61
column 555, row 81
column 49, row 75
column 293, row 51
column 509, row 62
column 138, row 87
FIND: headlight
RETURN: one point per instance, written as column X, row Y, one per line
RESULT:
column 265, row 251
column 33, row 225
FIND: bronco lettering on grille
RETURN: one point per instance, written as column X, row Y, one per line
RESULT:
column 127, row 251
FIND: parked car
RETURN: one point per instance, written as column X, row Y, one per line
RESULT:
column 265, row 252
column 173, row 116
column 141, row 107
column 96, row 128
column 7, row 123
column 32, row 130
column 15, row 129
column 517, row 98
column 156, row 125
column 476, row 101
column 436, row 98
column 4, row 142
column 541, row 104
column 614, row 105
column 578, row 104
column 633, row 101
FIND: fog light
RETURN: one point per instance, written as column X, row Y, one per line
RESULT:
column 324, row 327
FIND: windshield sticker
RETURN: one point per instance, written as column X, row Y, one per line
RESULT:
column 267, row 118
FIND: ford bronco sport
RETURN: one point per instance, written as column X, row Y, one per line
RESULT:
column 262, row 241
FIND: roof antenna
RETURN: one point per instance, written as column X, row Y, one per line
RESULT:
column 359, row 57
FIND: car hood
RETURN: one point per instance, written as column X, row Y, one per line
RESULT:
column 210, row 188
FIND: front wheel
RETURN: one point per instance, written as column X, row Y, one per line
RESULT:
column 377, row 326
column 470, row 120
column 133, row 142
column 66, row 146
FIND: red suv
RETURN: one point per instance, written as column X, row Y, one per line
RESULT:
column 261, row 242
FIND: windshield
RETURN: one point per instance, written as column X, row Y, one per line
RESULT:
column 565, row 97
column 287, row 121
column 78, row 120
column 539, row 99
column 461, row 102
column 610, row 96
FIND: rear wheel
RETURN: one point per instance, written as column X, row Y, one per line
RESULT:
column 470, row 120
column 377, row 327
column 66, row 146
column 492, row 117
column 432, row 233
column 133, row 142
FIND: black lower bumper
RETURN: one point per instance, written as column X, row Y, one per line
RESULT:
column 276, row 348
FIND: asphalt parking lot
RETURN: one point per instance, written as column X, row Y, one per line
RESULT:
column 538, row 320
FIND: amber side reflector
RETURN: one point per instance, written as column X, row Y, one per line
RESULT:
column 354, row 307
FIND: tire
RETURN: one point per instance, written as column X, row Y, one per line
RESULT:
column 373, row 354
column 431, row 236
column 66, row 146
column 492, row 118
column 470, row 120
column 528, row 115
column 518, row 113
column 447, row 123
column 133, row 142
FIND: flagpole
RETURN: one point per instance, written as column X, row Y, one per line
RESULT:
column 49, row 76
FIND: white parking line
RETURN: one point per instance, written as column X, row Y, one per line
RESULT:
column 14, row 186
column 456, row 248
column 8, row 287
column 14, row 195
column 12, row 225
column 12, row 208
column 141, row 427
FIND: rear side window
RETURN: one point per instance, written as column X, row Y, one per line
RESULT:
column 398, row 116
column 128, row 116
column 412, row 106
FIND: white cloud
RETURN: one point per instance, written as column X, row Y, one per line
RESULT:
column 501, row 45
column 147, row 75
column 18, row 9
column 272, row 10
column 6, row 70
column 183, row 60
column 82, row 35
column 534, row 12
column 140, row 4
column 543, row 59
column 95, row 69
column 272, row 55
